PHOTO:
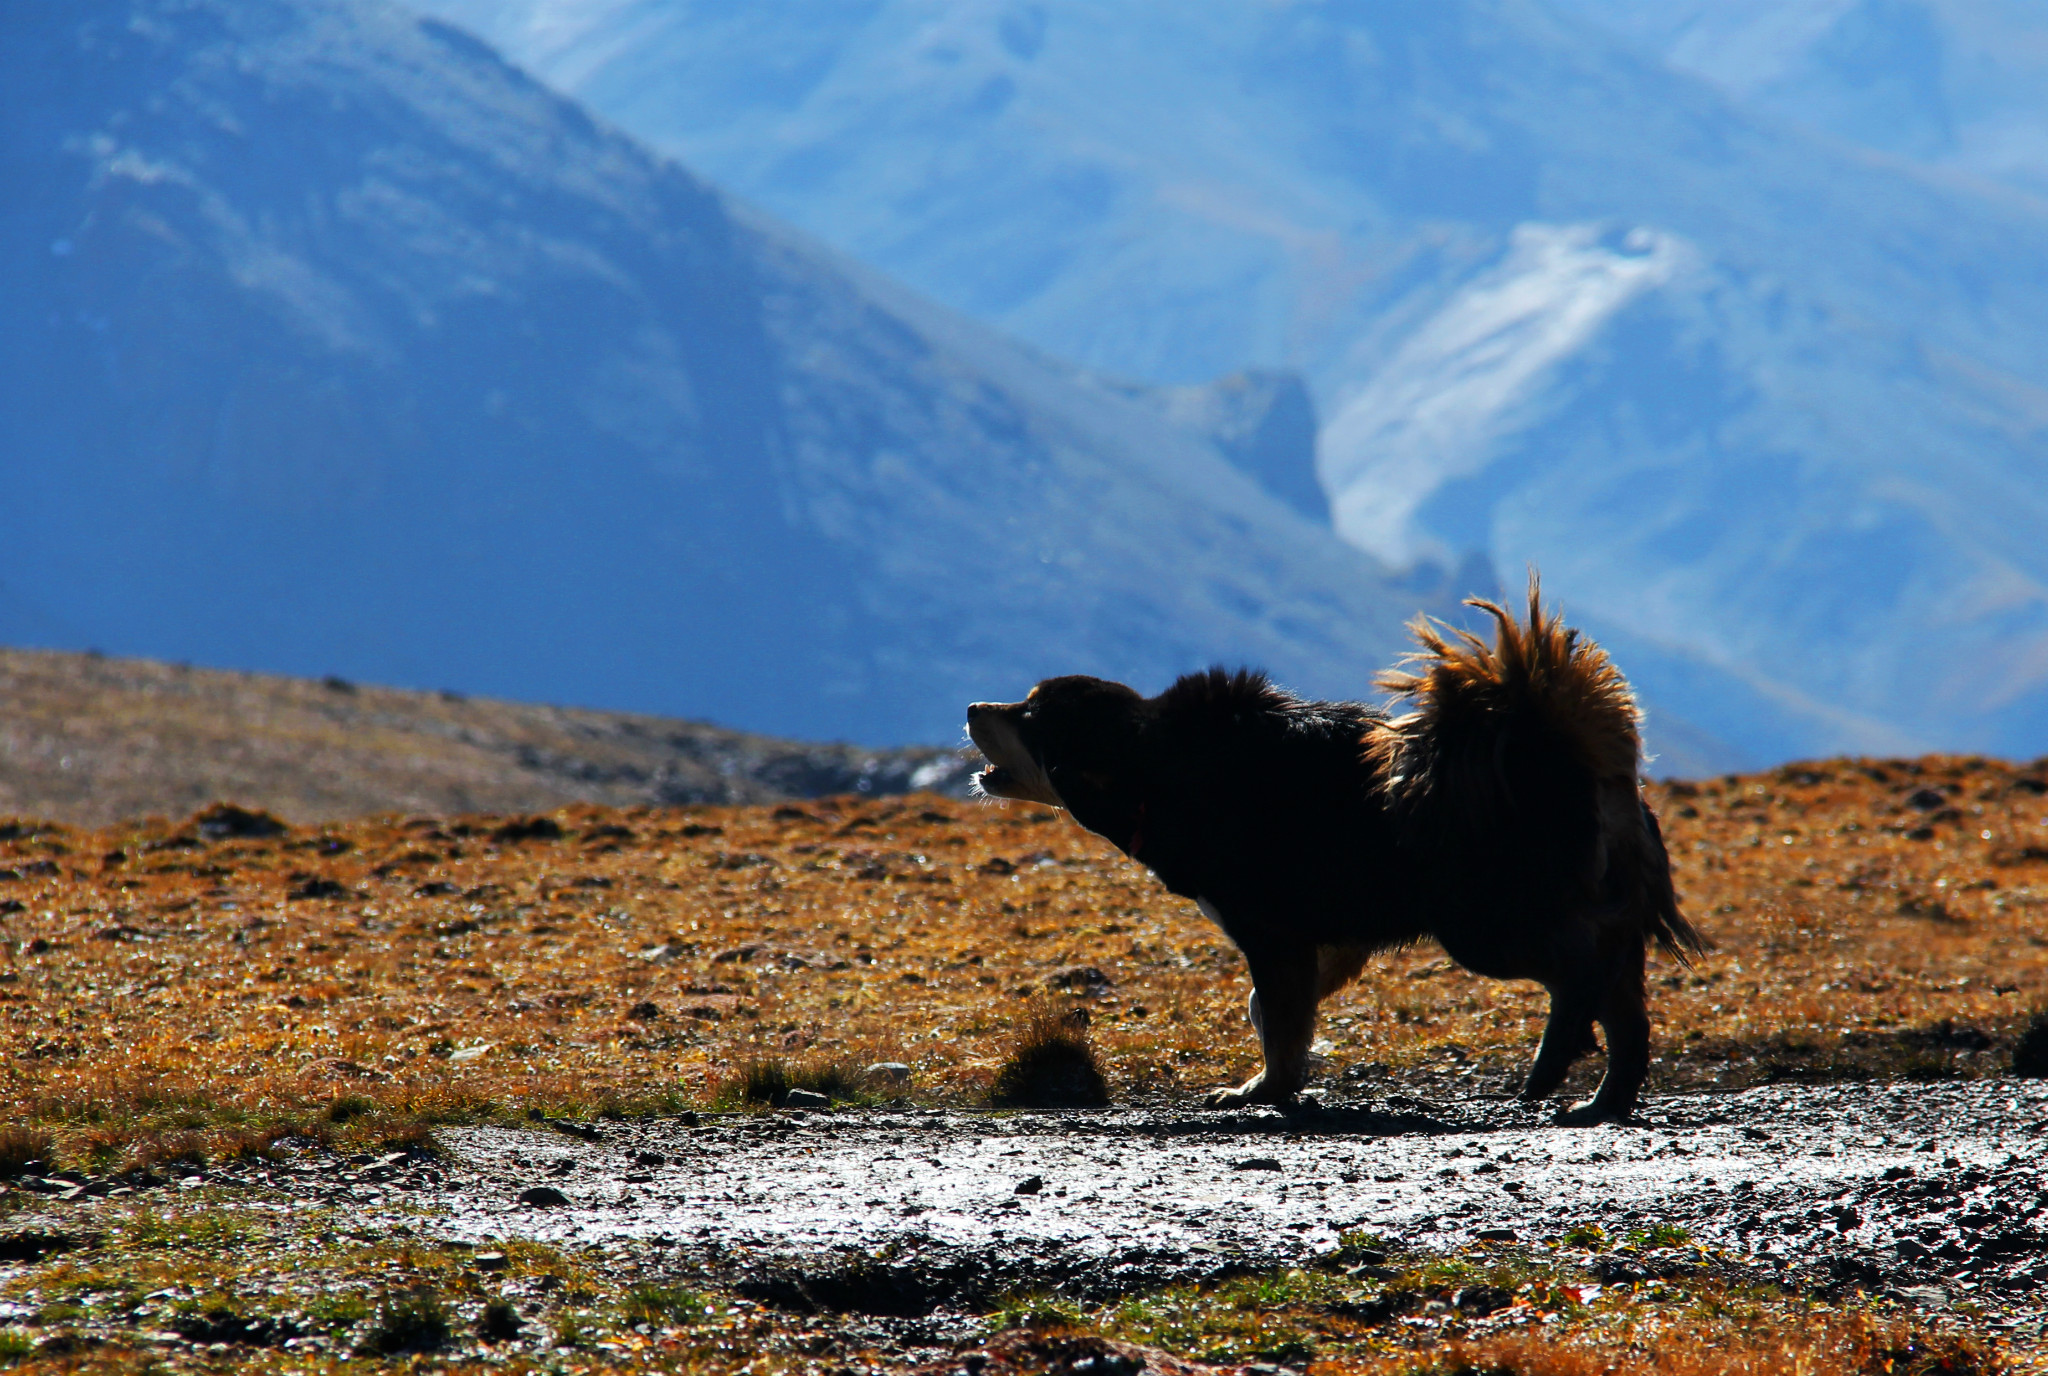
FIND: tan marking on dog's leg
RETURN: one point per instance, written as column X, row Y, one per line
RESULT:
column 1285, row 1015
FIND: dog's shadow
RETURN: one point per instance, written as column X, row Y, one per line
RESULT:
column 1411, row 1119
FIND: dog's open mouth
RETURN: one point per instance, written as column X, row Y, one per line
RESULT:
column 993, row 779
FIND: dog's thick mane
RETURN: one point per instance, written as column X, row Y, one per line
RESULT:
column 1247, row 697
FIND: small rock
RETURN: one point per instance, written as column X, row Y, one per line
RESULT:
column 645, row 1011
column 34, row 1245
column 335, row 1068
column 543, row 1197
column 1079, row 979
column 1617, row 1270
column 1481, row 1299
column 1031, row 1184
column 528, row 829
column 1926, row 1296
column 804, row 1098
column 490, row 1261
column 649, row 1158
column 894, row 1073
column 1496, row 1235
column 1255, row 1163
column 225, row 821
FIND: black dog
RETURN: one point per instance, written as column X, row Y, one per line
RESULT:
column 1502, row 816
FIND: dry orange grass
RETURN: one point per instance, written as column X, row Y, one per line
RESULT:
column 1770, row 1344
column 1869, row 919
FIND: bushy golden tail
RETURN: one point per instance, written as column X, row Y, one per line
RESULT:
column 1532, row 741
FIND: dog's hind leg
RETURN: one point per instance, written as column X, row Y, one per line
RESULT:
column 1625, row 1018
column 1573, row 972
column 1283, row 1009
column 1566, row 1037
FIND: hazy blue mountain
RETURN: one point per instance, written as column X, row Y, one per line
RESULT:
column 1961, row 84
column 1766, row 405
column 334, row 344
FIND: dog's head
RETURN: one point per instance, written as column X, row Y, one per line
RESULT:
column 1073, row 743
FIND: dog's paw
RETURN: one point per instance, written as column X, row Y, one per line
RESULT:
column 1252, row 1091
column 1590, row 1113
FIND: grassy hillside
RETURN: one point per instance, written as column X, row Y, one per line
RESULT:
column 87, row 741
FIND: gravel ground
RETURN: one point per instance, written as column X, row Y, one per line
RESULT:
column 907, row 1226
column 1931, row 1192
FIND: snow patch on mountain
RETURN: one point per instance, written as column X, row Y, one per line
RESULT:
column 1474, row 371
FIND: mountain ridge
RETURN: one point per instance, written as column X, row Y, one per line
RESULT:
column 350, row 348
column 1794, row 437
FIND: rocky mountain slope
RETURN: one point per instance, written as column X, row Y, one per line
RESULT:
column 338, row 345
column 1759, row 403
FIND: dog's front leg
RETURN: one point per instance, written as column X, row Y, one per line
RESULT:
column 1283, row 1010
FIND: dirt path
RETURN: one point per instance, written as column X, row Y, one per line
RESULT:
column 1931, row 1191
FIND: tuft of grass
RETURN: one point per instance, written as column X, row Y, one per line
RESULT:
column 212, row 1232
column 1259, row 1318
column 21, row 1145
column 770, row 1079
column 1591, row 1236
column 1659, row 1235
column 1858, row 1347
column 499, row 1322
column 412, row 1321
column 413, row 1136
column 661, row 1305
column 1051, row 1063
column 15, row 1346
column 574, row 1328
column 1356, row 1245
column 346, row 1108
column 1910, row 1349
column 340, row 1310
column 177, row 1147
column 1039, row 1312
column 250, row 1144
